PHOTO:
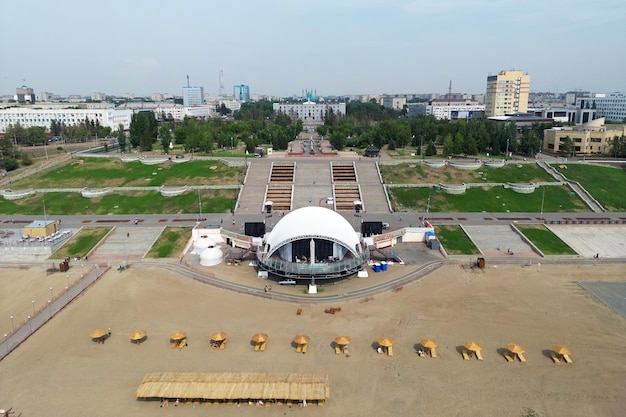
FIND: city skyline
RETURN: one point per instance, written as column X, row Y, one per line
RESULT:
column 281, row 47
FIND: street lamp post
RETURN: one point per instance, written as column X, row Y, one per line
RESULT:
column 6, row 341
column 543, row 195
column 33, row 308
column 422, row 147
column 30, row 324
column 12, row 326
column 51, row 296
column 50, row 307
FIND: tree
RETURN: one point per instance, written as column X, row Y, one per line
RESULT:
column 448, row 145
column 143, row 130
column 166, row 137
column 121, row 137
column 566, row 146
column 431, row 149
column 529, row 144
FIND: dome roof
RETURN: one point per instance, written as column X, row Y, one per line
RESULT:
column 202, row 243
column 313, row 222
column 211, row 256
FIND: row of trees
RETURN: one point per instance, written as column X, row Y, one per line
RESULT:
column 254, row 124
column 368, row 123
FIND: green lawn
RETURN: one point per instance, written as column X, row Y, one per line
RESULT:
column 415, row 173
column 455, row 241
column 546, row 241
column 170, row 243
column 112, row 172
column 81, row 243
column 137, row 202
column 606, row 184
column 490, row 199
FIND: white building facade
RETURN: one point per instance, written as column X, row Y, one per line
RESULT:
column 309, row 110
column 611, row 106
column 453, row 109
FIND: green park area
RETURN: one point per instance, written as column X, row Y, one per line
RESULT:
column 556, row 199
column 546, row 241
column 112, row 172
column 455, row 241
column 79, row 245
column 407, row 173
column 171, row 243
column 131, row 202
column 606, row 184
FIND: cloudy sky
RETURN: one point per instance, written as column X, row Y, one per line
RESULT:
column 336, row 47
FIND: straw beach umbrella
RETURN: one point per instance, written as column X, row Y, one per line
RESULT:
column 473, row 346
column 515, row 348
column 259, row 338
column 561, row 350
column 385, row 341
column 219, row 336
column 429, row 343
column 301, row 339
column 342, row 340
column 98, row 335
column 137, row 336
column 178, row 335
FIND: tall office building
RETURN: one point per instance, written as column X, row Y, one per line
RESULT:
column 24, row 95
column 193, row 96
column 241, row 93
column 507, row 93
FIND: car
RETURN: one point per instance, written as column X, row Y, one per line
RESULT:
column 385, row 226
column 256, row 155
column 180, row 156
column 287, row 282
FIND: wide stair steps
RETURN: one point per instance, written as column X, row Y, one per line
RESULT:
column 345, row 186
column 253, row 192
column 280, row 187
column 373, row 194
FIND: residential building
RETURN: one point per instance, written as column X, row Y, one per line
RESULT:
column 507, row 93
column 611, row 106
column 193, row 96
column 242, row 93
column 593, row 137
column 392, row 102
column 453, row 109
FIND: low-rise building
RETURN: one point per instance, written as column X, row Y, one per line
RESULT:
column 590, row 138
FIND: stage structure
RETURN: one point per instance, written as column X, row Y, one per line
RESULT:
column 312, row 243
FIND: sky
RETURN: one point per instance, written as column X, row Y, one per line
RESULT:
column 335, row 47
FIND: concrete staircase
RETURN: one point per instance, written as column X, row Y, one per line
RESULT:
column 373, row 194
column 252, row 194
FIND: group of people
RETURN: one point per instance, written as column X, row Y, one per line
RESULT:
column 268, row 288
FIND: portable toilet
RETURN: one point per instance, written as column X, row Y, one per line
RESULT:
column 383, row 266
column 376, row 267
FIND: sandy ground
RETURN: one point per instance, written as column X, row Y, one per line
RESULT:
column 60, row 371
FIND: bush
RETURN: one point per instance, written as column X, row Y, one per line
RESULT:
column 9, row 164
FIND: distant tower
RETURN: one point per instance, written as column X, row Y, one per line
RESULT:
column 450, row 90
column 222, row 90
column 188, row 81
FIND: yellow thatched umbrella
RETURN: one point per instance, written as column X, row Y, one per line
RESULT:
column 561, row 350
column 178, row 335
column 259, row 338
column 137, row 336
column 219, row 336
column 429, row 343
column 385, row 341
column 515, row 348
column 473, row 346
column 98, row 334
column 342, row 340
column 301, row 339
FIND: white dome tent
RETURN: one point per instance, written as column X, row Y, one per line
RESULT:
column 312, row 243
column 211, row 256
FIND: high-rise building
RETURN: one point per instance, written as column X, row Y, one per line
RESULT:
column 193, row 96
column 507, row 93
column 242, row 93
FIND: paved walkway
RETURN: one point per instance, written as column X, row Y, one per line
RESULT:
column 494, row 241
